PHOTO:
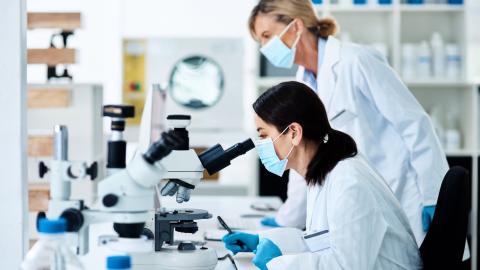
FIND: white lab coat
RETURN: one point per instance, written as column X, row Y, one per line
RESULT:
column 367, row 227
column 366, row 99
column 293, row 212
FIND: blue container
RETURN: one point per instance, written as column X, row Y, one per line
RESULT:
column 119, row 263
column 455, row 2
column 360, row 2
column 317, row 2
column 415, row 2
column 385, row 2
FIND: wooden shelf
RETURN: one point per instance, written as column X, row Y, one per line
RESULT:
column 51, row 56
column 40, row 145
column 68, row 21
column 48, row 98
column 38, row 196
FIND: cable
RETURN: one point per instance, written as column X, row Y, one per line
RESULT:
column 230, row 258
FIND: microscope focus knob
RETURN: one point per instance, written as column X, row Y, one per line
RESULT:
column 74, row 218
column 93, row 171
column 42, row 169
column 110, row 200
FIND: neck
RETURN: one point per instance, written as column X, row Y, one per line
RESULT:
column 307, row 52
column 303, row 158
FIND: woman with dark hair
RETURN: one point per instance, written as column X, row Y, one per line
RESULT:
column 353, row 219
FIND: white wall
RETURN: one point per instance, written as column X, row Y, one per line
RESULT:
column 13, row 190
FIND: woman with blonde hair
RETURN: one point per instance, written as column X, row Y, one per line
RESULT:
column 364, row 98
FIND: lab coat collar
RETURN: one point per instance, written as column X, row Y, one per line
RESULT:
column 327, row 76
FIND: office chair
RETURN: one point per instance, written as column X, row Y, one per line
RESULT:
column 445, row 240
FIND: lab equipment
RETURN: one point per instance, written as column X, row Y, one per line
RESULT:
column 454, row 61
column 211, row 98
column 50, row 251
column 408, row 60
column 438, row 55
column 360, row 2
column 126, row 197
column 452, row 139
column 117, row 146
column 277, row 52
column 424, row 61
column 455, row 2
column 224, row 225
column 63, row 173
column 452, row 132
column 385, row 2
column 241, row 242
column 119, row 263
column 266, row 251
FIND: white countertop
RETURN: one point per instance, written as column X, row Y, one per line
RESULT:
column 224, row 206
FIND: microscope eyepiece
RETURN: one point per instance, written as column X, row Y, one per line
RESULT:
column 158, row 150
column 215, row 158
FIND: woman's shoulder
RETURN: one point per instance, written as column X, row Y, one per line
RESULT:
column 350, row 172
column 354, row 53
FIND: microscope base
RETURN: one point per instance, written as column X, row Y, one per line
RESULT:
column 170, row 258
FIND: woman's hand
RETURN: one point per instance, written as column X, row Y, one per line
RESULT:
column 241, row 242
column 266, row 251
column 270, row 222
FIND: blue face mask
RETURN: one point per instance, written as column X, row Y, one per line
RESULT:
column 268, row 156
column 279, row 54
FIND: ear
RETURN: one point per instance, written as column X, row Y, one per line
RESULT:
column 296, row 133
column 299, row 26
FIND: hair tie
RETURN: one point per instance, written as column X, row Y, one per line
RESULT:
column 325, row 139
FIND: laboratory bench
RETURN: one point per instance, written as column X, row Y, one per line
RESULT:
column 228, row 207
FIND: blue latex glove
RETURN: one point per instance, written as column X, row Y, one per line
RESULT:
column 266, row 251
column 427, row 216
column 240, row 242
column 269, row 221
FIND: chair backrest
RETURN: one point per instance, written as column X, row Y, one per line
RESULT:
column 445, row 240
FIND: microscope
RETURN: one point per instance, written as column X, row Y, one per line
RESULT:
column 126, row 198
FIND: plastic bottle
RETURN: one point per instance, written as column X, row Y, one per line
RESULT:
column 408, row 60
column 438, row 55
column 424, row 60
column 119, row 263
column 453, row 61
column 50, row 252
column 453, row 135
